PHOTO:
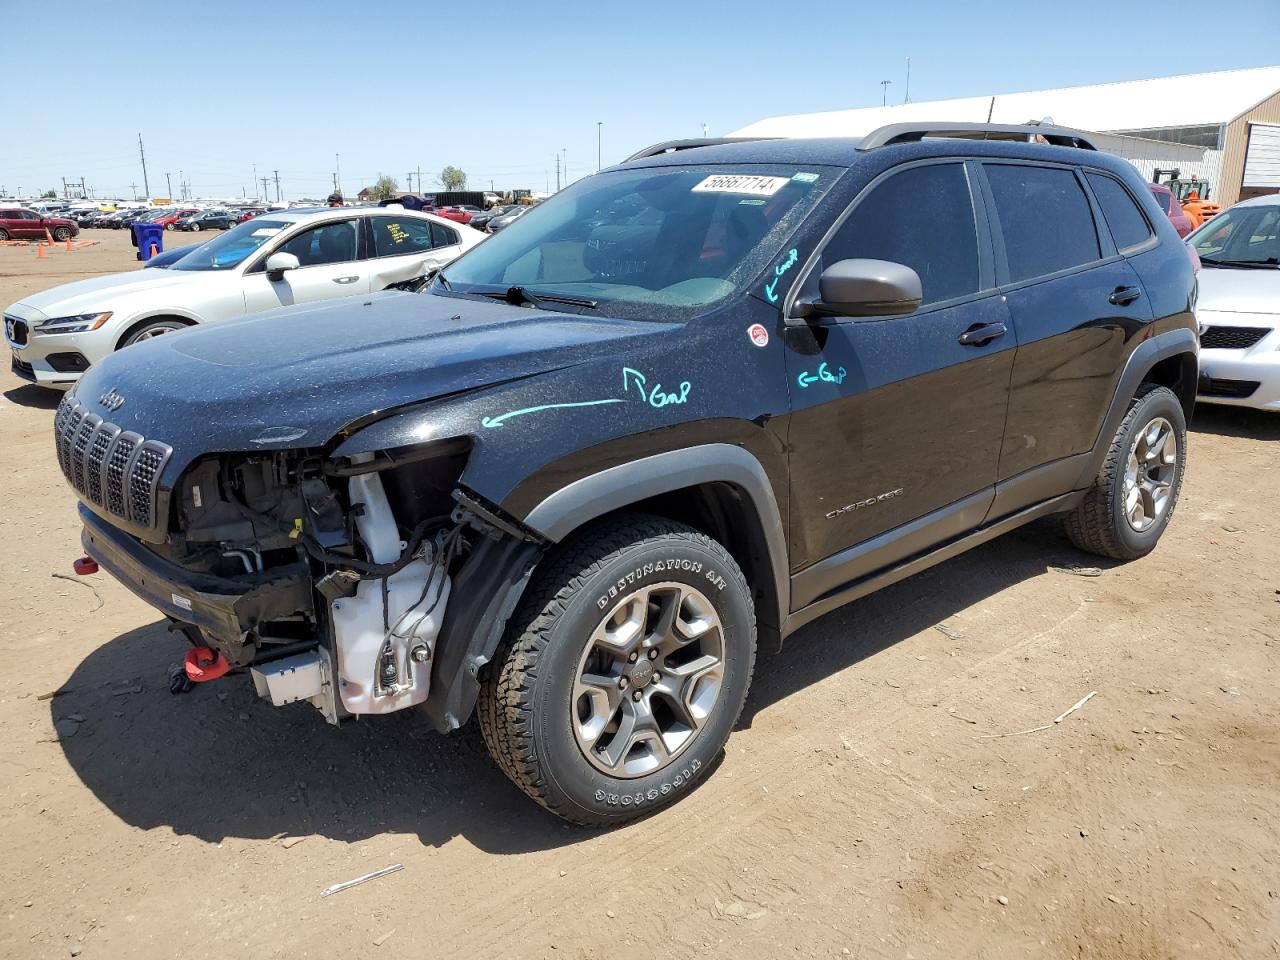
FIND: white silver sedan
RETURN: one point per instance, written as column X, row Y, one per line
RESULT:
column 274, row 260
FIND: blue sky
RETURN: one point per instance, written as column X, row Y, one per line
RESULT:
column 499, row 89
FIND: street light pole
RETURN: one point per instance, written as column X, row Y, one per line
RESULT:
column 884, row 92
column 169, row 184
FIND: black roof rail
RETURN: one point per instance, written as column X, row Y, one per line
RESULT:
column 914, row 132
column 670, row 146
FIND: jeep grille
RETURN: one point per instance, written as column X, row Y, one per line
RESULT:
column 113, row 469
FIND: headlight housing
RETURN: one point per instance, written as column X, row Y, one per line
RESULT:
column 81, row 323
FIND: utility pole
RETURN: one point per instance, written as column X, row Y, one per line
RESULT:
column 265, row 196
column 277, row 173
column 84, row 191
column 64, row 188
column 419, row 180
column 255, row 180
column 409, row 177
column 565, row 150
column 337, row 166
column 182, row 184
column 884, row 92
column 599, row 141
column 169, row 183
column 134, row 188
column 145, row 185
column 557, row 173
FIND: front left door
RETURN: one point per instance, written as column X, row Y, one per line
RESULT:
column 897, row 421
column 330, row 266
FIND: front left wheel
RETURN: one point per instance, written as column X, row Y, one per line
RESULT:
column 623, row 672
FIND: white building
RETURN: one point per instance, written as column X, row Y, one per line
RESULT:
column 1223, row 127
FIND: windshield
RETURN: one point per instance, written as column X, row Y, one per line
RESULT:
column 231, row 248
column 1240, row 235
column 679, row 238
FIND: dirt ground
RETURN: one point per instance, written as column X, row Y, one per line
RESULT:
column 857, row 812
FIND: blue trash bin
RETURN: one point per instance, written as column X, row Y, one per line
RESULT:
column 146, row 235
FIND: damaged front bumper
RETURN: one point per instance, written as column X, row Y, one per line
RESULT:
column 223, row 608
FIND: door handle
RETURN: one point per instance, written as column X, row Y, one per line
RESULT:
column 345, row 279
column 982, row 333
column 1124, row 295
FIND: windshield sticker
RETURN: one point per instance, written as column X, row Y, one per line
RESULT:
column 805, row 178
column 632, row 381
column 739, row 183
column 771, row 288
column 266, row 232
column 758, row 335
column 751, row 202
column 823, row 374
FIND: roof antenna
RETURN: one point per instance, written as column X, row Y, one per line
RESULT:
column 991, row 109
column 906, row 97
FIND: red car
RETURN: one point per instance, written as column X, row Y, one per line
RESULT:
column 18, row 223
column 1170, row 205
column 460, row 214
column 251, row 213
column 170, row 217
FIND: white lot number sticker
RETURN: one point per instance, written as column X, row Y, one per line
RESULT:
column 266, row 231
column 739, row 183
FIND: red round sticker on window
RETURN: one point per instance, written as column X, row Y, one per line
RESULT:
column 758, row 334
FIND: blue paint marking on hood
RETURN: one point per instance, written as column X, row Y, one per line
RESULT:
column 293, row 378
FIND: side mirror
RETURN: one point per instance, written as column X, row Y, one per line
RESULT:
column 867, row 288
column 278, row 263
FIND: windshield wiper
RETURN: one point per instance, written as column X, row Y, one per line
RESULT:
column 1246, row 264
column 519, row 295
column 443, row 280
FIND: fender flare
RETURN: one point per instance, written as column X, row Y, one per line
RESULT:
column 488, row 589
column 617, row 487
column 1146, row 355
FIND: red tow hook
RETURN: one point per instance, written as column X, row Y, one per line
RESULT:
column 85, row 566
column 203, row 664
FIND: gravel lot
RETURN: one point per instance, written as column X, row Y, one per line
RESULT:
column 858, row 812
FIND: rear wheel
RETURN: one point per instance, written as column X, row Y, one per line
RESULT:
column 195, row 228
column 622, row 673
column 1133, row 498
column 4, row 234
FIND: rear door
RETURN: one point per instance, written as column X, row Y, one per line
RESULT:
column 401, row 248
column 331, row 264
column 1075, row 303
column 894, row 418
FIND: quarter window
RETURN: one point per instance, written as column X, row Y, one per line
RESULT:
column 923, row 218
column 1045, row 219
column 442, row 236
column 1129, row 228
column 395, row 237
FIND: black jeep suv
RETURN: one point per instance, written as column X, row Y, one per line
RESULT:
column 693, row 401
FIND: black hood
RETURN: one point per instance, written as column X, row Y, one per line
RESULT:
column 293, row 378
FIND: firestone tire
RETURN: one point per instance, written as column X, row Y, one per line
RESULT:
column 1133, row 498
column 560, row 674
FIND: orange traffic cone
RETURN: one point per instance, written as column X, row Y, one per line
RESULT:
column 154, row 251
column 48, row 236
column 40, row 251
column 69, row 247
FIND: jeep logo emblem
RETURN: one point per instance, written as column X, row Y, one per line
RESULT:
column 112, row 400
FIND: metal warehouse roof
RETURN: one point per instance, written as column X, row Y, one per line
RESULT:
column 1189, row 100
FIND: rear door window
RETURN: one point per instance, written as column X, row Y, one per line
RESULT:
column 1045, row 219
column 399, row 237
column 1129, row 228
column 923, row 218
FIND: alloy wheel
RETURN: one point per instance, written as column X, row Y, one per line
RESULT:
column 1149, row 474
column 648, row 680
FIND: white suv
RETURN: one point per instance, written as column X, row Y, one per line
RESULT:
column 274, row 260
